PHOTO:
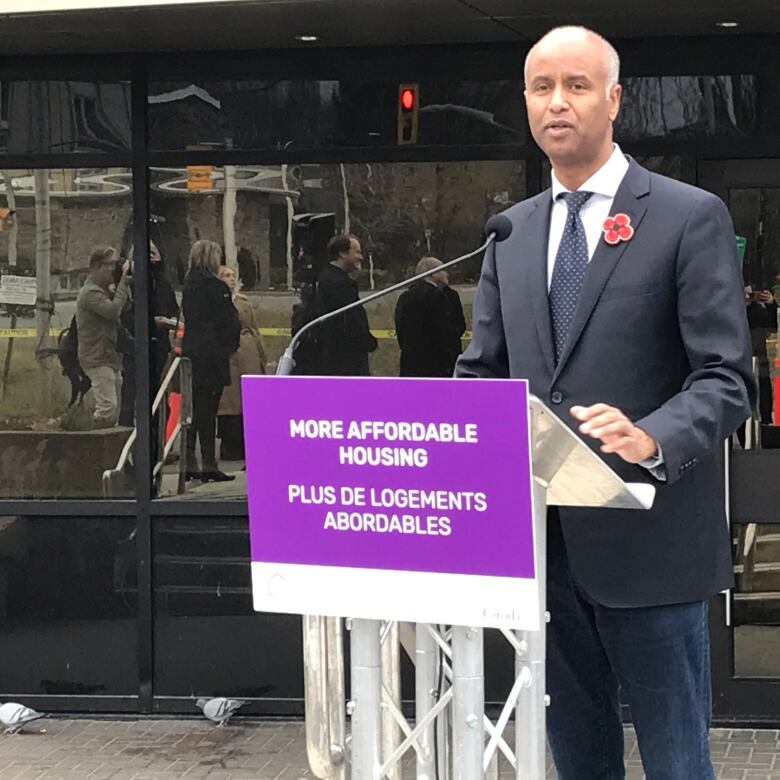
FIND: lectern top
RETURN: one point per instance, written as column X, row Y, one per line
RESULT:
column 573, row 473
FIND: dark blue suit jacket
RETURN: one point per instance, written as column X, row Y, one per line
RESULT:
column 660, row 332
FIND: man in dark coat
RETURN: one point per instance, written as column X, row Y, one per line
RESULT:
column 425, row 325
column 345, row 340
column 458, row 317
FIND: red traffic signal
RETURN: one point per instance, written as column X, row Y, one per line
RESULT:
column 407, row 113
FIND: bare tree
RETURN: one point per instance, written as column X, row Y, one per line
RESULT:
column 43, row 304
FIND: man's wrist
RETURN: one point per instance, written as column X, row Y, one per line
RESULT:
column 649, row 446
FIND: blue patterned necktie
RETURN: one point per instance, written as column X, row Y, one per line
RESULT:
column 571, row 262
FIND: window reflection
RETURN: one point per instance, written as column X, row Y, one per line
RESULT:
column 68, row 599
column 686, row 107
column 203, row 609
column 287, row 114
column 273, row 225
column 756, row 603
column 57, row 432
column 52, row 117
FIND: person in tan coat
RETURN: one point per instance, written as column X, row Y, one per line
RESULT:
column 249, row 359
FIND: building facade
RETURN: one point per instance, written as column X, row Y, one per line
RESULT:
column 130, row 591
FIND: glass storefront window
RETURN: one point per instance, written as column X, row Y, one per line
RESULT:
column 203, row 612
column 274, row 223
column 287, row 114
column 56, row 436
column 686, row 107
column 756, row 608
column 68, row 599
column 52, row 117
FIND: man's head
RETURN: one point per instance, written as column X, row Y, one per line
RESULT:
column 573, row 97
column 428, row 263
column 344, row 251
column 102, row 266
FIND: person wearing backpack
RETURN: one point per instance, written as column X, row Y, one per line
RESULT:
column 97, row 319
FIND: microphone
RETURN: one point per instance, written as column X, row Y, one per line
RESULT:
column 499, row 225
column 497, row 228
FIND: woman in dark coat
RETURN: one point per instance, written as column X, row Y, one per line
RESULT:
column 211, row 333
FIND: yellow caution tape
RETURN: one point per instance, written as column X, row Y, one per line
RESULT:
column 31, row 333
column 25, row 333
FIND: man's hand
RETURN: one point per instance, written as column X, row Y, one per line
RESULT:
column 616, row 432
column 765, row 296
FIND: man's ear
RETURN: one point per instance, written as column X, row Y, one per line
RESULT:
column 615, row 95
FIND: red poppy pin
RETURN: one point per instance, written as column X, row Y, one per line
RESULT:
column 617, row 228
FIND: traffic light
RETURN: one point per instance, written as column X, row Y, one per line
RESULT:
column 408, row 100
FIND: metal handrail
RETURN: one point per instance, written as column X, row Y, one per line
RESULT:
column 182, row 367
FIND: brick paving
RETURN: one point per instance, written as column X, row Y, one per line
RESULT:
column 159, row 749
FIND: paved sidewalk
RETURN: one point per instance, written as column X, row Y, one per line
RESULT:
column 162, row 749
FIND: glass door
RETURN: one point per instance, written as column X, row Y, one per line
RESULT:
column 745, row 622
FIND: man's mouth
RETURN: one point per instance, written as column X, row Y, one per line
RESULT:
column 558, row 124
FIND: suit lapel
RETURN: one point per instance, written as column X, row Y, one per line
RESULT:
column 536, row 236
column 629, row 199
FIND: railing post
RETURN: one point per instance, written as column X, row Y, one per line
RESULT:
column 185, row 420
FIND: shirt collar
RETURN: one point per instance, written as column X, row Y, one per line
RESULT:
column 604, row 182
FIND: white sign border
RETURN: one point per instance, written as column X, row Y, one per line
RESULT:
column 417, row 597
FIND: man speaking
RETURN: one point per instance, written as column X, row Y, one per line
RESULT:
column 618, row 296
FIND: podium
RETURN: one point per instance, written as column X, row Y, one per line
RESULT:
column 566, row 472
column 451, row 735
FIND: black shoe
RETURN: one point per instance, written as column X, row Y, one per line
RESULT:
column 217, row 476
column 188, row 475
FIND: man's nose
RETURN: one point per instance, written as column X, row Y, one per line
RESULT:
column 558, row 100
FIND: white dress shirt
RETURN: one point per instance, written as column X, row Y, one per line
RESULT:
column 604, row 185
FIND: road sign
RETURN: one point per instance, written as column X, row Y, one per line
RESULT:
column 19, row 290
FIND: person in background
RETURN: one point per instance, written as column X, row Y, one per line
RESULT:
column 248, row 359
column 457, row 315
column 211, row 333
column 165, row 311
column 97, row 317
column 346, row 340
column 761, row 311
column 425, row 325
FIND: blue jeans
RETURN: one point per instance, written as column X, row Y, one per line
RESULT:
column 658, row 657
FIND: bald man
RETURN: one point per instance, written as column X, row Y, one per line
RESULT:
column 618, row 296
column 425, row 325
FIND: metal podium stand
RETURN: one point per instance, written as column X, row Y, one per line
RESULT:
column 449, row 705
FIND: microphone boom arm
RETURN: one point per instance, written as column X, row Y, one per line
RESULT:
column 287, row 362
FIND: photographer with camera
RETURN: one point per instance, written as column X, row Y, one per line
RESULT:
column 98, row 315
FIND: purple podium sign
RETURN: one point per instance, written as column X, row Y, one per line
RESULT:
column 398, row 499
